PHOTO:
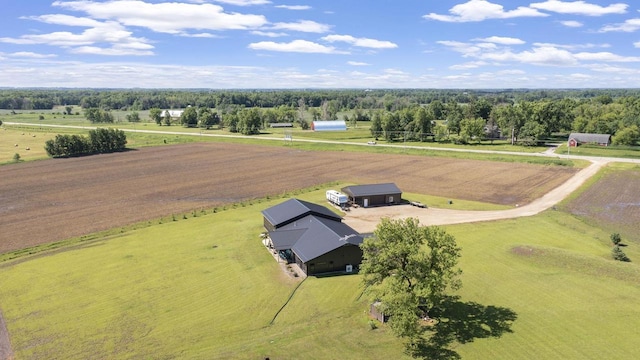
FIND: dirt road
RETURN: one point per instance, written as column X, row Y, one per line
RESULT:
column 365, row 220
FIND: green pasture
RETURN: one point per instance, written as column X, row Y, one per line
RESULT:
column 28, row 143
column 631, row 152
column 204, row 287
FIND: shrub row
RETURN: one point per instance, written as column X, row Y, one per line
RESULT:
column 99, row 141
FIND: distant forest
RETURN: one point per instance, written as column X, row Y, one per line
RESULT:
column 524, row 116
column 389, row 99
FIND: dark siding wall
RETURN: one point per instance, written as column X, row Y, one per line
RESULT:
column 336, row 260
column 377, row 200
column 268, row 225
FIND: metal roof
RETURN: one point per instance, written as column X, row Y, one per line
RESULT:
column 371, row 189
column 317, row 236
column 294, row 208
column 329, row 125
column 591, row 138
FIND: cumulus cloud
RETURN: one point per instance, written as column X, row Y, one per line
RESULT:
column 294, row 7
column 358, row 63
column 542, row 54
column 480, row 10
column 573, row 46
column 630, row 25
column 298, row 46
column 572, row 23
column 169, row 17
column 360, row 42
column 580, row 8
column 606, row 57
column 302, row 26
column 110, row 34
column 467, row 66
column 270, row 34
column 547, row 56
column 502, row 40
column 32, row 55
column 243, row 2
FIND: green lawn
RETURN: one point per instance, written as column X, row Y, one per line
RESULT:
column 204, row 287
column 631, row 152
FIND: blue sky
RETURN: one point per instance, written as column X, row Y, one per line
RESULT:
column 227, row 44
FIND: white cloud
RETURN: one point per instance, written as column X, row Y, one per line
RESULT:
column 302, row 26
column 200, row 35
column 630, row 25
column 580, row 8
column 572, row 23
column 469, row 65
column 298, row 46
column 606, row 57
column 573, row 46
column 32, row 55
column 637, row 44
column 502, row 40
column 111, row 51
column 244, row 2
column 294, row 7
column 547, row 56
column 67, row 20
column 270, row 34
column 511, row 72
column 358, row 63
column 108, row 32
column 360, row 42
column 168, row 17
column 480, row 10
column 606, row 68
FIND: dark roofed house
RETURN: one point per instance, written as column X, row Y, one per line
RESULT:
column 374, row 194
column 576, row 139
column 293, row 209
column 317, row 243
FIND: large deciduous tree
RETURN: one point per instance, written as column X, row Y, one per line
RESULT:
column 156, row 115
column 189, row 117
column 409, row 268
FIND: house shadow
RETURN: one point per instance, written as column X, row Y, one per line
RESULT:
column 461, row 322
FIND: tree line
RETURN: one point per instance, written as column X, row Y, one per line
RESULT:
column 387, row 99
column 98, row 141
column 526, row 117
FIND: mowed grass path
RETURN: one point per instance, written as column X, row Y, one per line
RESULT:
column 205, row 287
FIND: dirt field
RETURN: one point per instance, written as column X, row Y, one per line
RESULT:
column 613, row 203
column 51, row 200
column 366, row 220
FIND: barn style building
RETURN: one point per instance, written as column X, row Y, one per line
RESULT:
column 313, row 237
column 576, row 139
column 374, row 194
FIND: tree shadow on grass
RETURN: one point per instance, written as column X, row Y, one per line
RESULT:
column 461, row 322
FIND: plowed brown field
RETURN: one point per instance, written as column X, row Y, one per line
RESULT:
column 613, row 203
column 51, row 200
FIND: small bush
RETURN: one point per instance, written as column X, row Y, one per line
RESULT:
column 619, row 255
column 372, row 325
column 16, row 157
column 615, row 238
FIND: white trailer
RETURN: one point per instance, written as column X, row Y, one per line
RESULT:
column 337, row 198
